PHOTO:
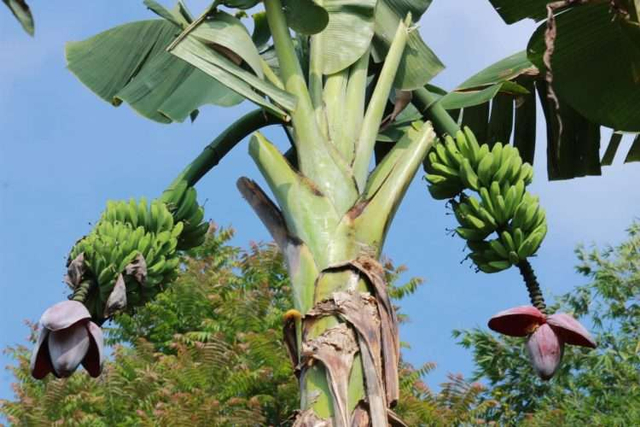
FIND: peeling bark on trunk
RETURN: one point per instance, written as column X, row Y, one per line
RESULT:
column 374, row 320
column 335, row 349
column 308, row 418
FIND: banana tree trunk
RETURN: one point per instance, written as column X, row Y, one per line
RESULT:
column 330, row 219
column 342, row 334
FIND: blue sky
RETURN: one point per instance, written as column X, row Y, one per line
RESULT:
column 64, row 152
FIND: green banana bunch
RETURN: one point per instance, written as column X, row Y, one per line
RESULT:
column 506, row 224
column 181, row 200
column 135, row 241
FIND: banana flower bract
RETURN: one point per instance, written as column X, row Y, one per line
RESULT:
column 67, row 338
column 547, row 335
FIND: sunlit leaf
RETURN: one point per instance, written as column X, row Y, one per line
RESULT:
column 172, row 16
column 222, row 29
column 347, row 35
column 504, row 70
column 129, row 63
column 455, row 99
column 232, row 76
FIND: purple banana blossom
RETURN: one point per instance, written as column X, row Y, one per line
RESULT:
column 547, row 335
column 67, row 338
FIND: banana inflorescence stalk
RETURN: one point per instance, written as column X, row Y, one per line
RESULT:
column 503, row 224
column 134, row 250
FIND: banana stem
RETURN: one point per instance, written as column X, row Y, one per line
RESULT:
column 428, row 105
column 535, row 293
column 219, row 147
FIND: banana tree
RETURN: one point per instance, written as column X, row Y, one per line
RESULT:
column 349, row 84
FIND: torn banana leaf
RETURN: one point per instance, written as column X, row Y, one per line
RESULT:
column 595, row 64
column 129, row 63
column 218, row 46
column 513, row 11
column 500, row 103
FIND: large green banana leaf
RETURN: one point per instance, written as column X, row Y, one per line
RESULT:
column 571, row 153
column 596, row 56
column 200, row 47
column 21, row 11
column 595, row 64
column 500, row 104
column 129, row 63
column 419, row 64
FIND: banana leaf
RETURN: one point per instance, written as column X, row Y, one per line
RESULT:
column 129, row 64
column 261, row 32
column 347, row 34
column 21, row 11
column 513, row 11
column 634, row 153
column 419, row 64
column 241, row 81
column 510, row 91
column 595, row 64
column 305, row 16
column 173, row 16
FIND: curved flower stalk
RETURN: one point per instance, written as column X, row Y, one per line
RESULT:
column 67, row 338
column 547, row 335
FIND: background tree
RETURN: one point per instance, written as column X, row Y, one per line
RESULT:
column 209, row 351
column 598, row 387
column 188, row 357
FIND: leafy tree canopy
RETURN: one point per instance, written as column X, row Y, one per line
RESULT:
column 209, row 350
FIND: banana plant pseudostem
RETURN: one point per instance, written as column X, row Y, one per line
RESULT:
column 348, row 82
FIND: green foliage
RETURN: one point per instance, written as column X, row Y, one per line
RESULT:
column 600, row 387
column 209, row 350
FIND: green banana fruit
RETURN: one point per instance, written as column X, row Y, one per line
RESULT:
column 468, row 175
column 485, row 168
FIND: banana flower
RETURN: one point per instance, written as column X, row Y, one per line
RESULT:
column 67, row 338
column 546, row 335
